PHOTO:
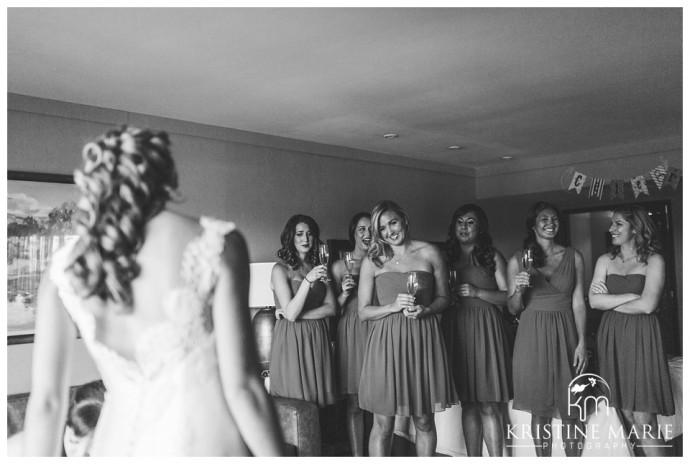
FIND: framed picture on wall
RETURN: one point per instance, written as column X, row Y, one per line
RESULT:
column 40, row 211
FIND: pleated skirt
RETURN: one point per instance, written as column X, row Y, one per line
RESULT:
column 631, row 360
column 350, row 343
column 479, row 353
column 301, row 365
column 543, row 362
column 405, row 370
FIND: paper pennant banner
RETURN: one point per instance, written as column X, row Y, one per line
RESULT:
column 658, row 175
column 639, row 185
column 578, row 182
column 617, row 188
column 662, row 175
column 596, row 189
column 672, row 177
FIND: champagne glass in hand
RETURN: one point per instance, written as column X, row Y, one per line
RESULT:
column 452, row 283
column 349, row 262
column 323, row 258
column 528, row 262
column 412, row 283
column 452, row 279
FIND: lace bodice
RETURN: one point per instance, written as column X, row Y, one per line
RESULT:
column 152, row 398
column 186, row 307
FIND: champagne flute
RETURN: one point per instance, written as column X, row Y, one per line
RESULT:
column 323, row 258
column 528, row 262
column 452, row 279
column 412, row 283
column 452, row 283
column 349, row 260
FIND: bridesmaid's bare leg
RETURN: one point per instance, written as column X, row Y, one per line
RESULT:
column 492, row 426
column 381, row 437
column 354, row 423
column 508, row 439
column 651, row 442
column 541, row 437
column 628, row 424
column 425, row 441
column 472, row 428
column 573, row 438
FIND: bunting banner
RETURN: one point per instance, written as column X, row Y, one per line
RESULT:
column 662, row 176
column 578, row 182
column 658, row 175
column 596, row 189
column 639, row 186
column 617, row 188
column 672, row 177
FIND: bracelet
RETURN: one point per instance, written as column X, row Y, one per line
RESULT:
column 310, row 281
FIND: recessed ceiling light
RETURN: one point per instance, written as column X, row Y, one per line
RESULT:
column 507, row 157
column 455, row 147
column 390, row 136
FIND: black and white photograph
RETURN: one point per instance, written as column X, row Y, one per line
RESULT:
column 345, row 230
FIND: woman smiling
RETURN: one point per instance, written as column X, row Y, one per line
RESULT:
column 405, row 369
column 627, row 284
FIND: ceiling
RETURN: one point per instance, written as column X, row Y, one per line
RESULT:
column 527, row 83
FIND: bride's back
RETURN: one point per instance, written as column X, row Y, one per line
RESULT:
column 141, row 284
column 129, row 252
column 160, row 259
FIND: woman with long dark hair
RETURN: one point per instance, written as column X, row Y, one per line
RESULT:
column 352, row 332
column 160, row 301
column 301, row 360
column 477, row 345
column 550, row 346
column 405, row 369
column 627, row 283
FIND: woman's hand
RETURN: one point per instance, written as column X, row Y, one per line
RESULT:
column 415, row 312
column 468, row 290
column 316, row 273
column 280, row 313
column 348, row 284
column 403, row 301
column 580, row 358
column 598, row 287
column 522, row 279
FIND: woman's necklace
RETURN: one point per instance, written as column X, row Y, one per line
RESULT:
column 625, row 260
column 397, row 260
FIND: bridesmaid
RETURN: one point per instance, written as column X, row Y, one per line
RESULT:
column 550, row 342
column 627, row 284
column 473, row 330
column 352, row 332
column 301, row 360
column 405, row 369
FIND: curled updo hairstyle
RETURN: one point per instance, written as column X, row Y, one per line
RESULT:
column 86, row 409
column 127, row 178
column 379, row 247
column 353, row 226
column 644, row 230
column 288, row 253
column 530, row 223
column 483, row 252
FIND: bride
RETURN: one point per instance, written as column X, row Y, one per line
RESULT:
column 160, row 301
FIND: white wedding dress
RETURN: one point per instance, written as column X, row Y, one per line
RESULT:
column 168, row 401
